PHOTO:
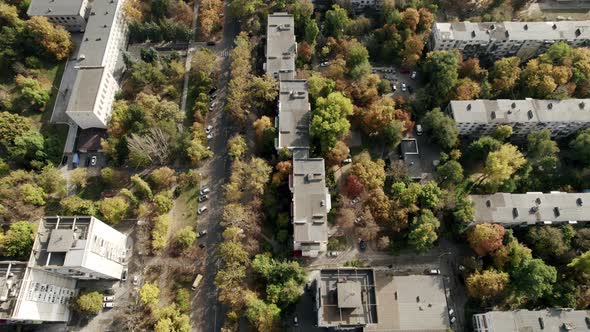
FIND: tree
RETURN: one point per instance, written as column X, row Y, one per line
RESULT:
column 581, row 147
column 113, row 209
column 487, row 285
column 441, row 70
column 505, row 74
column 28, row 148
column 430, row 196
column 54, row 40
column 237, row 146
column 480, row 148
column 370, row 173
column 265, row 317
column 441, row 128
column 338, row 154
column 18, row 241
column 533, row 279
column 426, row 19
column 160, row 232
column 501, row 164
column 464, row 211
column 163, row 202
column 51, row 180
column 88, row 303
column 345, row 219
column 423, row 233
column 204, row 67
column 410, row 18
column 32, row 194
column 163, row 178
column 183, row 299
column 485, row 238
column 164, row 325
column 357, row 60
column 467, row 89
column 512, row 255
column 74, row 205
column 502, row 132
column 542, row 150
column 141, row 187
column 547, row 242
column 149, row 294
column 353, row 186
column 329, row 120
column 32, row 92
column 11, row 127
column 384, row 243
column 449, row 174
column 79, row 177
column 581, row 263
column 336, row 21
column 9, row 15
column 185, row 237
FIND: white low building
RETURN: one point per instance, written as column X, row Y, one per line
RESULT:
column 93, row 93
column 281, row 47
column 67, row 13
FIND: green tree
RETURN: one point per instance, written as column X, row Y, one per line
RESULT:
column 370, row 173
column 423, row 233
column 357, row 60
column 51, row 180
column 74, row 205
column 32, row 92
column 329, row 121
column 265, row 317
column 149, row 294
column 113, row 209
column 11, row 127
column 53, row 40
column 237, row 146
column 183, row 299
column 581, row 263
column 487, row 285
column 79, row 177
column 163, row 202
column 441, row 70
column 336, row 21
column 430, row 196
column 505, row 74
column 464, row 211
column 88, row 303
column 533, row 279
column 580, row 147
column 18, row 241
column 542, row 150
column 160, row 232
column 185, row 237
column 141, row 187
column 501, row 164
column 33, row 194
column 547, row 242
column 163, row 178
column 441, row 128
column 28, row 148
column 449, row 174
column 502, row 132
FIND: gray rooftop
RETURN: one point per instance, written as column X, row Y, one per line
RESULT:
column 98, row 30
column 56, row 8
column 281, row 48
column 531, row 208
column 527, row 110
column 411, row 303
column 294, row 114
column 11, row 278
column 60, row 240
column 349, row 294
column 553, row 320
column 492, row 31
column 311, row 201
column 85, row 89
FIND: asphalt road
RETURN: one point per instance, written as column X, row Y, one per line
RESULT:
column 208, row 314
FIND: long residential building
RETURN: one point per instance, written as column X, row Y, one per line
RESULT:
column 503, row 39
column 281, row 47
column 91, row 101
column 68, row 13
column 547, row 320
column 292, row 122
column 531, row 208
column 480, row 117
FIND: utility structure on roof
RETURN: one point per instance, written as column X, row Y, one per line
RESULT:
column 479, row 117
column 93, row 93
column 281, row 47
column 504, row 39
column 532, row 208
column 68, row 13
column 547, row 320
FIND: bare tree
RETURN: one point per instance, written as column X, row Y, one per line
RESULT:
column 151, row 148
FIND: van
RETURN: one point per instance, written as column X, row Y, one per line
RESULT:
column 197, row 281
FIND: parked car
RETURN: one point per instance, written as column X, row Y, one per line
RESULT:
column 201, row 210
column 213, row 96
column 135, row 280
column 432, row 271
column 108, row 298
column 203, row 198
column 208, row 129
column 93, row 161
column 347, row 161
column 210, row 43
column 410, row 89
column 64, row 160
column 363, row 245
column 108, row 291
column 124, row 275
column 324, row 63
column 204, row 191
column 201, row 233
column 419, row 130
column 333, row 253
column 108, row 305
column 212, row 106
column 451, row 312
column 197, row 281
column 404, row 87
column 209, row 136
column 295, row 320
column 394, row 87
column 413, row 75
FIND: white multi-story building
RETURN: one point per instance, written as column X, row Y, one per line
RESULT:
column 67, row 13
column 293, row 118
column 80, row 248
column 281, row 47
column 552, row 320
column 480, row 117
column 504, row 39
column 90, row 104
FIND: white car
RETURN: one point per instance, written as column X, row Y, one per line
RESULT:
column 93, row 161
column 108, row 298
column 333, row 253
column 404, row 87
column 108, row 305
column 209, row 136
column 347, row 161
column 204, row 191
column 201, row 210
column 419, row 130
column 135, row 280
column 413, row 75
column 213, row 104
column 324, row 64
column 208, row 129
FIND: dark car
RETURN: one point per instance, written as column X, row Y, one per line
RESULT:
column 363, row 244
column 410, row 89
column 109, row 291
column 64, row 160
column 210, row 43
column 203, row 198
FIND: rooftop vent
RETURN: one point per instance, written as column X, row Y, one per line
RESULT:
column 554, row 26
column 513, row 105
column 550, row 105
column 49, row 10
column 579, row 201
column 92, row 13
column 105, row 26
column 473, row 34
column 578, row 32
column 322, row 203
column 582, row 105
column 469, row 107
column 534, row 209
column 488, row 203
column 526, row 27
column 493, row 115
column 538, row 200
column 98, row 39
column 556, row 211
column 541, row 323
column 514, row 212
column 81, row 57
column 530, row 114
column 492, row 27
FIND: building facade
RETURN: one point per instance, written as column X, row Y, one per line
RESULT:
column 562, row 118
column 503, row 39
column 81, row 248
column 67, row 13
column 553, row 320
column 532, row 208
column 281, row 47
column 91, row 101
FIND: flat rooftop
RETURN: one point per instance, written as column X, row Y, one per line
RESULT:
column 11, row 278
column 294, row 114
column 531, row 208
column 553, row 320
column 346, row 297
column 85, row 90
column 281, row 48
column 98, row 30
column 527, row 110
column 410, row 303
column 499, row 31
column 55, row 8
column 311, row 201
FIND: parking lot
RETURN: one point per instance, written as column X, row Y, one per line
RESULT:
column 403, row 82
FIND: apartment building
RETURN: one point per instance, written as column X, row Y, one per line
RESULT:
column 310, row 205
column 67, row 13
column 81, row 248
column 281, row 47
column 294, row 115
column 90, row 104
column 480, row 117
column 532, row 208
column 552, row 320
column 504, row 39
